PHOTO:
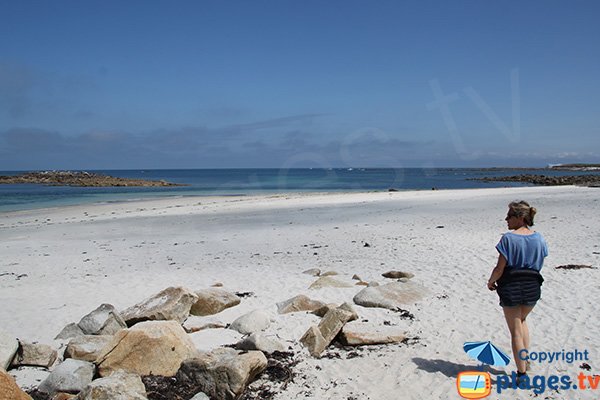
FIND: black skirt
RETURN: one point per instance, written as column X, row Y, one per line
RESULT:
column 518, row 286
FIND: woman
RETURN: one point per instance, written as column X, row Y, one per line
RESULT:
column 517, row 277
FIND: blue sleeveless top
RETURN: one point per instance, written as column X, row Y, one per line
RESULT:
column 523, row 251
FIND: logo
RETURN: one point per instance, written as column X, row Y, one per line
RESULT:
column 474, row 384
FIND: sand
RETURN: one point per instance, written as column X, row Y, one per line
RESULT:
column 56, row 265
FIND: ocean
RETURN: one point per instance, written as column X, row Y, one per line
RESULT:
column 231, row 182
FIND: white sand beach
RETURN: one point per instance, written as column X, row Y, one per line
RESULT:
column 56, row 265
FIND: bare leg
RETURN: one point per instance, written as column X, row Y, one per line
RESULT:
column 515, row 316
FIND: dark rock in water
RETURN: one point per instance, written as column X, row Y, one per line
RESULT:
column 366, row 245
column 79, row 178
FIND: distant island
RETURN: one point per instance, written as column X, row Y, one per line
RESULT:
column 576, row 167
column 79, row 179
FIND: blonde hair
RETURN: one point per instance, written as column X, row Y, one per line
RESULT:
column 522, row 209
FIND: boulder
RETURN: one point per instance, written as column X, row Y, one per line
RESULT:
column 329, row 273
column 222, row 373
column 104, row 320
column 355, row 335
column 298, row 303
column 316, row 340
column 312, row 271
column 327, row 307
column 34, row 355
column 362, row 283
column 71, row 376
column 255, row 321
column 327, row 281
column 356, row 277
column 87, row 347
column 391, row 295
column 173, row 303
column 70, row 331
column 200, row 396
column 148, row 348
column 212, row 301
column 9, row 389
column 121, row 385
column 398, row 274
column 8, row 348
column 260, row 342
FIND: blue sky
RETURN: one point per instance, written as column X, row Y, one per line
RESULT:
column 201, row 84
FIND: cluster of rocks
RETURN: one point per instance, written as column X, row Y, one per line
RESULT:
column 111, row 354
column 581, row 180
column 79, row 178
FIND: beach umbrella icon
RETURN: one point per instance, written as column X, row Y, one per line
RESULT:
column 486, row 353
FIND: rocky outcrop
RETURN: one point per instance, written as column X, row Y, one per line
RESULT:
column 121, row 385
column 544, row 180
column 34, row 355
column 255, row 321
column 88, row 347
column 70, row 331
column 222, row 373
column 298, row 303
column 78, row 178
column 212, row 301
column 71, row 376
column 391, row 295
column 9, row 389
column 8, row 348
column 173, row 303
column 104, row 320
column 148, row 348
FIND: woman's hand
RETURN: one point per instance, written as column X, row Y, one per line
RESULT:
column 492, row 285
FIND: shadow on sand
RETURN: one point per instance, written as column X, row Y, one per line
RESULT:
column 451, row 369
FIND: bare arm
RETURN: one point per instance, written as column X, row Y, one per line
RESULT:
column 497, row 272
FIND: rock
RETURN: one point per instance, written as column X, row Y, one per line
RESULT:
column 148, row 348
column 121, row 385
column 217, row 284
column 9, row 389
column 313, row 340
column 104, row 320
column 71, row 376
column 373, row 284
column 255, row 321
column 361, row 283
column 173, row 303
column 34, row 355
column 258, row 341
column 196, row 324
column 70, row 331
column 298, row 303
column 356, row 277
column 64, row 396
column 321, row 311
column 223, row 373
column 200, row 396
column 398, row 274
column 212, row 301
column 313, row 272
column 329, row 273
column 8, row 348
column 355, row 336
column 348, row 307
column 87, row 347
column 327, row 281
column 391, row 295
column 317, row 340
